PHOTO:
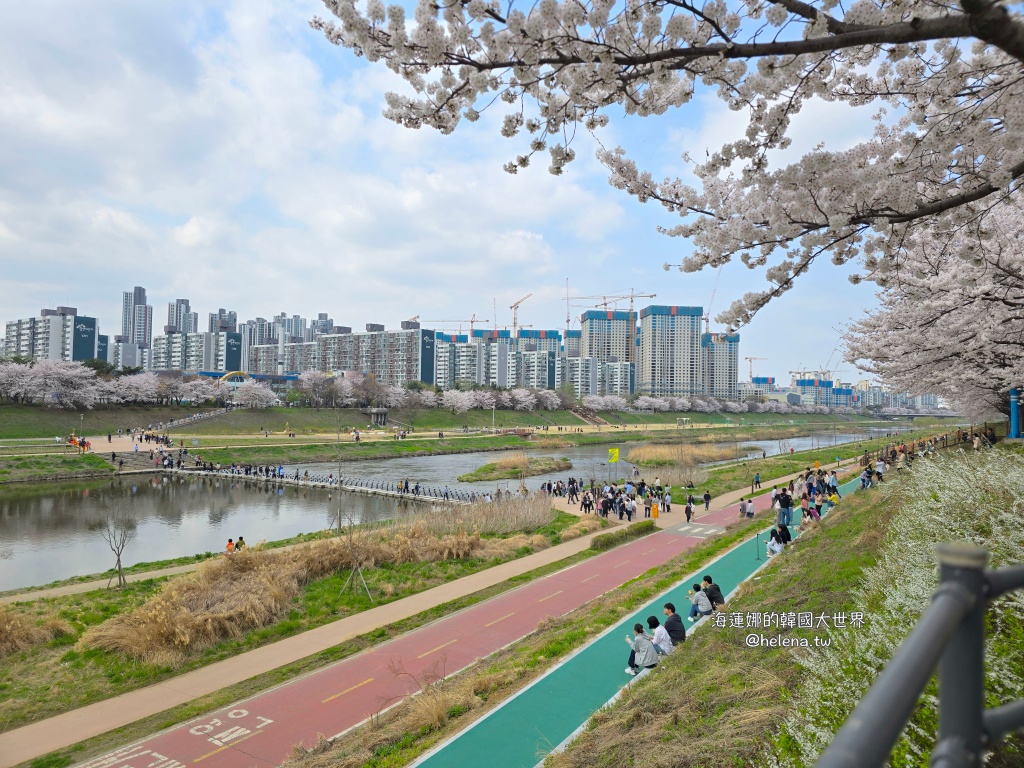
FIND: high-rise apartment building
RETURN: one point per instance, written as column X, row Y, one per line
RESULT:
column 670, row 359
column 540, row 341
column 573, row 340
column 538, row 369
column 181, row 318
column 137, row 317
column 221, row 352
column 721, row 353
column 223, row 321
column 607, row 335
column 57, row 334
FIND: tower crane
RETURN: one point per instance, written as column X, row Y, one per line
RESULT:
column 473, row 320
column 515, row 313
column 751, row 361
column 607, row 299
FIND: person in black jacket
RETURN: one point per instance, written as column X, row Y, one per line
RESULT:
column 713, row 592
column 674, row 625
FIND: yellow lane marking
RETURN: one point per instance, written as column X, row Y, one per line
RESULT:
column 348, row 690
column 227, row 746
column 501, row 619
column 589, row 578
column 550, row 596
column 438, row 648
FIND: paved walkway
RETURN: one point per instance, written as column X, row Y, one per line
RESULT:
column 548, row 713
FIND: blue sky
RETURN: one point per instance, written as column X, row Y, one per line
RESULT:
column 226, row 153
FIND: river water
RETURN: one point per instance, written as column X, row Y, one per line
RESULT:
column 47, row 533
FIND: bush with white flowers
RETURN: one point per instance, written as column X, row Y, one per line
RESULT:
column 977, row 498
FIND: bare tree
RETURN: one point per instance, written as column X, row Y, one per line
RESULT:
column 117, row 526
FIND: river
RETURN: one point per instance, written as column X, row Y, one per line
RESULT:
column 46, row 530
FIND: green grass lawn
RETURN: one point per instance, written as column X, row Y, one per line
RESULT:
column 24, row 421
column 27, row 468
column 328, row 420
column 534, row 466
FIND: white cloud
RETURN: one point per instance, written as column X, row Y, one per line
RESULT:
column 229, row 155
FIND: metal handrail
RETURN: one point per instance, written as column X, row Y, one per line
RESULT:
column 951, row 636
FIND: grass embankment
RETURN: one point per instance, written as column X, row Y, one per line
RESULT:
column 405, row 732
column 39, row 468
column 733, row 476
column 328, row 420
column 119, row 640
column 516, row 466
column 26, row 421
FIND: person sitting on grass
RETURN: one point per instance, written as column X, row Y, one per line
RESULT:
column 642, row 652
column 674, row 625
column 230, row 548
column 713, row 591
column 700, row 603
column 659, row 636
column 784, row 533
column 774, row 543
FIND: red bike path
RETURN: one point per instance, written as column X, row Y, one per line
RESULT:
column 260, row 732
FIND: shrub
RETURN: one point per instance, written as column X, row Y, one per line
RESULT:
column 622, row 535
column 19, row 633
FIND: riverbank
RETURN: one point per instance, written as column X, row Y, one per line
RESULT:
column 515, row 468
column 49, row 468
column 86, row 674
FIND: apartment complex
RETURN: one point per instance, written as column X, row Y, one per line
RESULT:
column 720, row 353
column 198, row 352
column 608, row 335
column 671, row 356
column 57, row 334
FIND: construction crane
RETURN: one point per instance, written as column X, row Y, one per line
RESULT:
column 515, row 313
column 472, row 321
column 751, row 361
column 607, row 299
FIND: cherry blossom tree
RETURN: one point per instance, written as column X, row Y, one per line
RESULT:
column 254, row 394
column 548, row 400
column 953, row 322
column 318, row 388
column 138, row 388
column 457, row 401
column 484, row 400
column 60, row 384
column 945, row 77
column 522, row 399
column 14, row 381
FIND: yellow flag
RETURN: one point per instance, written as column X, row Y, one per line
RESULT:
column 613, row 455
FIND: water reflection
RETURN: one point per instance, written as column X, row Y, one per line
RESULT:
column 45, row 529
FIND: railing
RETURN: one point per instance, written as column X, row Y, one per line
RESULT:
column 950, row 636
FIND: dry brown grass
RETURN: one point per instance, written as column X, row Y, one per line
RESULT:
column 582, row 528
column 510, row 461
column 669, row 455
column 229, row 596
column 19, row 633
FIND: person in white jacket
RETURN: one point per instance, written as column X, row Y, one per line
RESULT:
column 662, row 642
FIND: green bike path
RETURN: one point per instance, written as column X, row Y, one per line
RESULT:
column 523, row 730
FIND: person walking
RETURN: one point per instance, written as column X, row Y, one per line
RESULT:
column 689, row 510
column 666, row 503
column 743, row 508
column 757, row 479
column 707, row 501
